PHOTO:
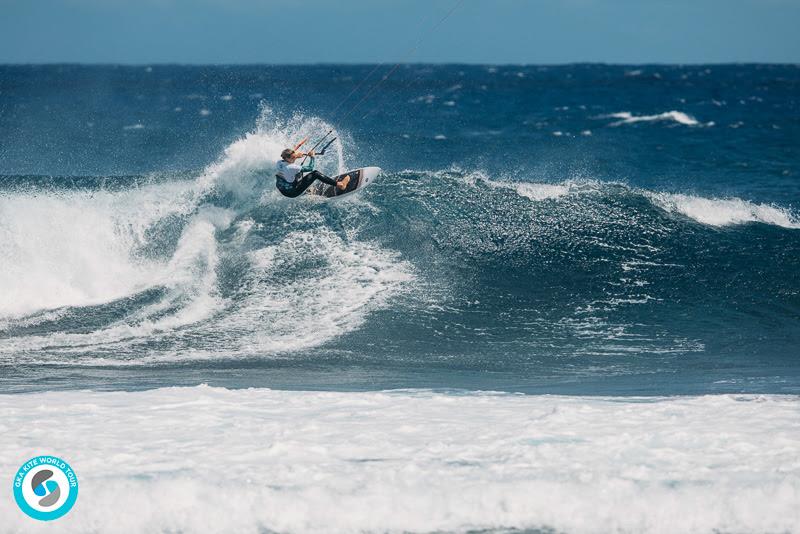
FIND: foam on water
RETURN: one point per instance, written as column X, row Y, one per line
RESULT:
column 271, row 316
column 544, row 191
column 217, row 460
column 189, row 294
column 75, row 248
column 541, row 191
column 626, row 117
column 724, row 212
column 531, row 190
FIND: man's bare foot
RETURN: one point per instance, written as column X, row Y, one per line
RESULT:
column 342, row 184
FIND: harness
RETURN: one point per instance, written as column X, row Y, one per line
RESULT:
column 283, row 184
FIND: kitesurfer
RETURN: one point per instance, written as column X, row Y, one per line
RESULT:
column 292, row 179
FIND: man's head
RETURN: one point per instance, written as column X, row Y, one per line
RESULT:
column 289, row 155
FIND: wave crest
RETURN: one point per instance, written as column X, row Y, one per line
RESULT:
column 626, row 117
column 724, row 212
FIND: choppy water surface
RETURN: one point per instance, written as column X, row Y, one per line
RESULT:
column 579, row 229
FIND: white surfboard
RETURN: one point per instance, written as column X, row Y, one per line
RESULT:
column 359, row 179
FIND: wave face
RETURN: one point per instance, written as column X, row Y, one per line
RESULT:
column 414, row 461
column 197, row 268
column 613, row 258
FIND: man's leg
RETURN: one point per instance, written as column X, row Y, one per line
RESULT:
column 309, row 178
column 300, row 186
column 339, row 185
column 305, row 182
column 322, row 178
column 290, row 190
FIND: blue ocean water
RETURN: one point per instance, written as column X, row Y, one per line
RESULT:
column 583, row 230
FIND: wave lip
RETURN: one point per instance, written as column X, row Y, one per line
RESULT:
column 417, row 461
column 724, row 212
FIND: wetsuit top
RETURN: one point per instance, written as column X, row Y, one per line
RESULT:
column 288, row 171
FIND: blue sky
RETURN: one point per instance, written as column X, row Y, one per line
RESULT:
column 363, row 31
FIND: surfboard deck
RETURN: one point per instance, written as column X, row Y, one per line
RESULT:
column 359, row 179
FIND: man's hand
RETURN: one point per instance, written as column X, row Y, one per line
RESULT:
column 310, row 154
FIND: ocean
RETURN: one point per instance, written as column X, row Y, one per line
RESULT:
column 570, row 303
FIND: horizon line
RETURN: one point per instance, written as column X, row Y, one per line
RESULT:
column 372, row 64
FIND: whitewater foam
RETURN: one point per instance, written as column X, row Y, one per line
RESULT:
column 530, row 190
column 353, row 279
column 187, row 282
column 76, row 249
column 545, row 191
column 724, row 212
column 268, row 316
column 626, row 117
column 215, row 460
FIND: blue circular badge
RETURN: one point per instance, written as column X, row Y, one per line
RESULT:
column 45, row 487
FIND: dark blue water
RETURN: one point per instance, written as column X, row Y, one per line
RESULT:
column 583, row 229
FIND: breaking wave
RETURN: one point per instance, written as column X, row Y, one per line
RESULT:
column 219, row 265
column 192, row 267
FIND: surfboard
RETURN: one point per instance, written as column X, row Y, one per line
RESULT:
column 359, row 179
